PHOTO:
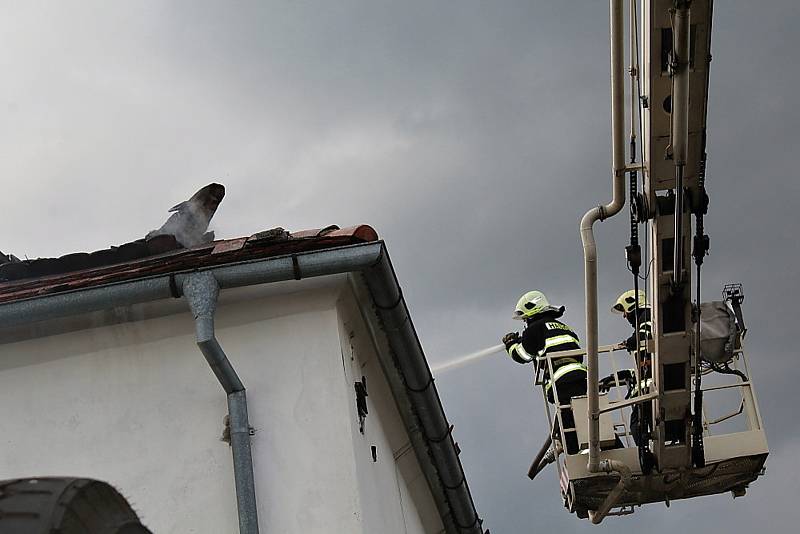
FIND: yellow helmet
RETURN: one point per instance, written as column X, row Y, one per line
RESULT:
column 627, row 302
column 531, row 304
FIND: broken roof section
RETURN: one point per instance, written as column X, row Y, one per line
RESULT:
column 159, row 255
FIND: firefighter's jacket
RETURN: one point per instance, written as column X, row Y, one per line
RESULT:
column 544, row 335
column 645, row 334
column 645, row 330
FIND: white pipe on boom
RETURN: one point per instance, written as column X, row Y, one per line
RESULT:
column 600, row 213
column 624, row 472
column 680, row 124
column 680, row 85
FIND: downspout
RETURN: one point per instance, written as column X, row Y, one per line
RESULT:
column 201, row 291
column 600, row 213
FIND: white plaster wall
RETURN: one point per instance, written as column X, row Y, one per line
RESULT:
column 135, row 404
column 394, row 493
column 130, row 400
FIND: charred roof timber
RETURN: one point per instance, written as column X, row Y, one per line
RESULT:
column 7, row 258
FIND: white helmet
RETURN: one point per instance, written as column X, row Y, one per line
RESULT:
column 531, row 304
column 627, row 302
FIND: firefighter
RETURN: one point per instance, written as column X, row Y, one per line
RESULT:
column 641, row 414
column 626, row 305
column 545, row 334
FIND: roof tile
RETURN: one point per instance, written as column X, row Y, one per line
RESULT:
column 161, row 255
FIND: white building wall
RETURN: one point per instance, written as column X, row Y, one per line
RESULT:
column 394, row 492
column 136, row 405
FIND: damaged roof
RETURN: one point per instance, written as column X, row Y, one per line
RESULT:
column 159, row 255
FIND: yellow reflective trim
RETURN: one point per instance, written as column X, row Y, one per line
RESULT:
column 644, row 384
column 520, row 352
column 559, row 340
column 562, row 361
column 561, row 371
column 524, row 353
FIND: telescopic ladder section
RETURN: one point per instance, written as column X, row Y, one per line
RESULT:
column 676, row 46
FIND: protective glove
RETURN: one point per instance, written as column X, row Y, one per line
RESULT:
column 625, row 376
column 606, row 384
column 510, row 339
column 629, row 344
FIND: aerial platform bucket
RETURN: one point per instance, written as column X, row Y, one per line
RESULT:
column 734, row 437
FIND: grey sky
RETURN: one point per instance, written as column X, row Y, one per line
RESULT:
column 471, row 135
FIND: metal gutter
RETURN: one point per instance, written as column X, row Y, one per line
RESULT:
column 369, row 259
column 396, row 322
column 291, row 266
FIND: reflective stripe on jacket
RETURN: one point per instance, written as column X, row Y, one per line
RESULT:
column 645, row 333
column 519, row 354
column 548, row 335
column 562, row 371
column 643, row 387
column 553, row 344
column 645, row 330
